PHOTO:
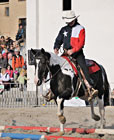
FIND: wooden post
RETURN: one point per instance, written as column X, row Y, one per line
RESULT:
column 37, row 96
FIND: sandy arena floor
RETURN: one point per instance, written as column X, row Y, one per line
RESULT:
column 46, row 116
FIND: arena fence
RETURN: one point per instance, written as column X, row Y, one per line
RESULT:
column 16, row 97
column 28, row 97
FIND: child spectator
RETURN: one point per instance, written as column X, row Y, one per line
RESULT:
column 22, row 79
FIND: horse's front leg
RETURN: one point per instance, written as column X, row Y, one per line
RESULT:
column 62, row 119
column 94, row 116
column 102, row 112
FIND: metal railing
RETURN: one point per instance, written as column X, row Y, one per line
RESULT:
column 14, row 97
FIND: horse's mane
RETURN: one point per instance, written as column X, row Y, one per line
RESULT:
column 55, row 59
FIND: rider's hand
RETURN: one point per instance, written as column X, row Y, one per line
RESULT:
column 70, row 52
column 56, row 51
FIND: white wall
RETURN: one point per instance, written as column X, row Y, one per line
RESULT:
column 32, row 34
column 97, row 16
column 50, row 12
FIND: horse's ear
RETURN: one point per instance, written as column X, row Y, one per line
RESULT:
column 48, row 55
column 42, row 51
column 33, row 51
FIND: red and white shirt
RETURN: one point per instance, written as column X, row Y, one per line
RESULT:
column 71, row 38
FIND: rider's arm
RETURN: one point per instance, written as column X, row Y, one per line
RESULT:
column 78, row 42
column 59, row 40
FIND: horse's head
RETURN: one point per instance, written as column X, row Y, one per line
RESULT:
column 42, row 64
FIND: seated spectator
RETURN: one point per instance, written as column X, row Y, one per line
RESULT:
column 3, row 62
column 20, row 34
column 5, row 53
column 17, row 61
column 2, row 40
column 1, row 49
column 5, row 79
column 9, row 41
column 11, row 49
column 10, row 59
column 3, row 46
column 9, row 70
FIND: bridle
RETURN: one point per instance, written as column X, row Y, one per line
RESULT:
column 52, row 76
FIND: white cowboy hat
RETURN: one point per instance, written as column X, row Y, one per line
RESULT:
column 69, row 16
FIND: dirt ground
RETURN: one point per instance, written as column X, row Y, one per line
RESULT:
column 46, row 116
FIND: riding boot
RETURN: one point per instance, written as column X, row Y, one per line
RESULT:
column 91, row 92
column 84, row 72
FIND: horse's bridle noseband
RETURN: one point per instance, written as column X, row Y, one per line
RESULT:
column 48, row 67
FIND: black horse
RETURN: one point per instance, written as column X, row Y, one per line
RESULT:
column 64, row 84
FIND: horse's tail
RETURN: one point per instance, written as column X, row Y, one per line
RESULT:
column 106, row 87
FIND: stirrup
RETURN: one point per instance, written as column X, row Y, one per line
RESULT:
column 92, row 94
column 49, row 96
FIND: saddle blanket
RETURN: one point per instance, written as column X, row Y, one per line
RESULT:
column 92, row 65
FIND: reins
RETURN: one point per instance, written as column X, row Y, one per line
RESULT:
column 55, row 73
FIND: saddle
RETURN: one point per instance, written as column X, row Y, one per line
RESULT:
column 91, row 64
column 93, row 67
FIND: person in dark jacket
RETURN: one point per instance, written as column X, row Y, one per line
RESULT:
column 3, row 62
column 20, row 37
column 72, row 37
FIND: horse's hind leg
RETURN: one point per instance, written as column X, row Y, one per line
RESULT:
column 62, row 119
column 94, row 116
column 102, row 112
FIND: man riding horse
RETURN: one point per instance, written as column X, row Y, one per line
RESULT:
column 72, row 37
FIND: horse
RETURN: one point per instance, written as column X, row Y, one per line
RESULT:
column 64, row 82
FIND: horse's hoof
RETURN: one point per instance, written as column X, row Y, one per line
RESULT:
column 62, row 119
column 96, row 117
column 61, row 133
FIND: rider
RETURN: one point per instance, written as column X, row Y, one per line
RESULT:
column 72, row 37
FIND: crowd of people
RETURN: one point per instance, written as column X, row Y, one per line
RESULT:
column 12, row 63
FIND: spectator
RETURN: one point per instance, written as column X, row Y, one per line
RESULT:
column 3, row 62
column 9, row 70
column 0, row 49
column 22, row 79
column 2, row 40
column 10, row 59
column 5, row 53
column 9, row 41
column 17, row 61
column 3, row 46
column 11, row 49
column 5, row 78
column 20, row 34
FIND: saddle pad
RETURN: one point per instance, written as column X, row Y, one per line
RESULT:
column 92, row 68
